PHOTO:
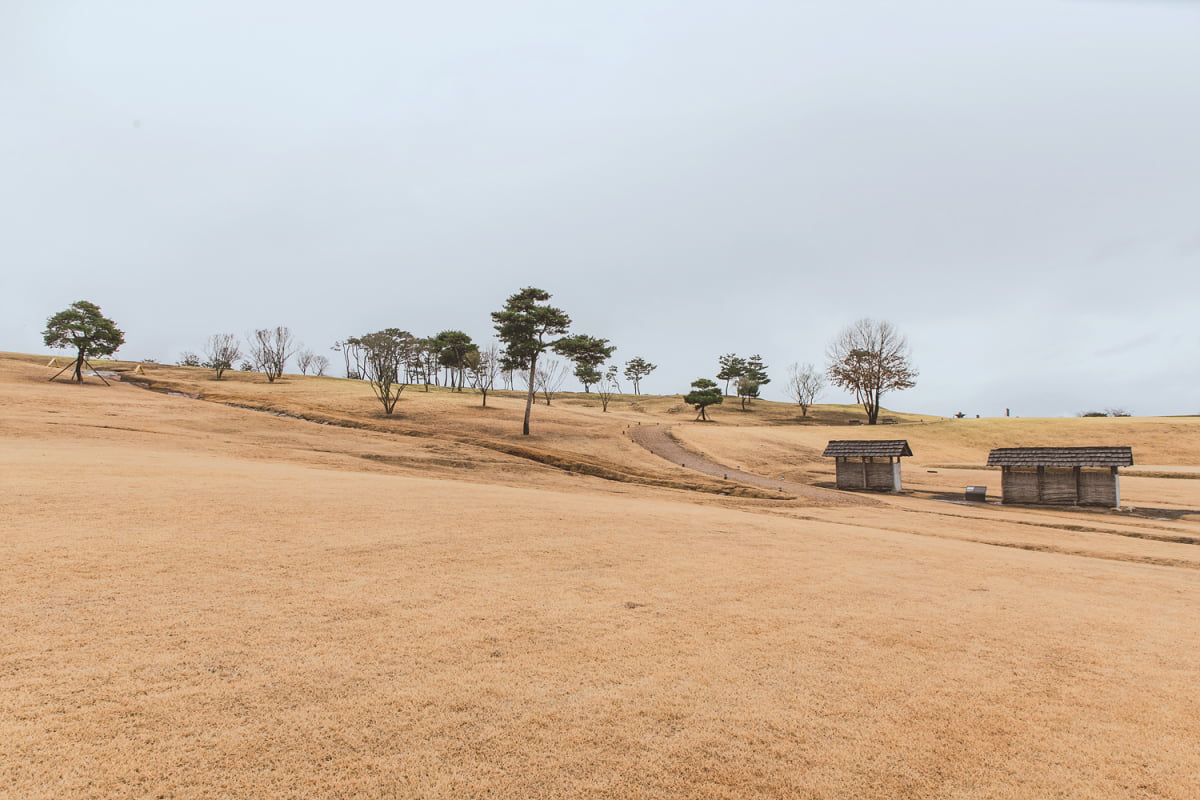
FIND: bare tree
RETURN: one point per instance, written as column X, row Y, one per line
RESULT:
column 304, row 360
column 805, row 383
column 483, row 368
column 550, row 376
column 221, row 351
column 319, row 365
column 607, row 387
column 870, row 358
column 270, row 348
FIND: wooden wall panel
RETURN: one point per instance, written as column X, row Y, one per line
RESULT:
column 849, row 475
column 880, row 475
column 1019, row 485
column 1058, row 487
column 1098, row 487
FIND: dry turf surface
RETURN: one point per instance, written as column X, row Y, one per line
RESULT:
column 205, row 601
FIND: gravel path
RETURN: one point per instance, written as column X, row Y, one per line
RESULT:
column 657, row 439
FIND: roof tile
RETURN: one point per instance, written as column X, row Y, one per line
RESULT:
column 1061, row 457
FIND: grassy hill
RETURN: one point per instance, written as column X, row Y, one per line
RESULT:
column 202, row 599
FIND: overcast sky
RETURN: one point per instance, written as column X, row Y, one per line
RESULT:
column 1015, row 184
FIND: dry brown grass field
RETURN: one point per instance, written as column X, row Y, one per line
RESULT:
column 206, row 601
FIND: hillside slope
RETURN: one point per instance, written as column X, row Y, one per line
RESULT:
column 207, row 601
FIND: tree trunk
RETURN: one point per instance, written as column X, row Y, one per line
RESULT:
column 79, row 367
column 529, row 394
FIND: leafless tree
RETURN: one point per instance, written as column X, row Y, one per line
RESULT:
column 304, row 360
column 221, row 351
column 549, row 377
column 870, row 358
column 607, row 387
column 804, row 383
column 483, row 368
column 319, row 365
column 270, row 349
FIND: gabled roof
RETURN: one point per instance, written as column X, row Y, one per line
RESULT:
column 1061, row 457
column 866, row 448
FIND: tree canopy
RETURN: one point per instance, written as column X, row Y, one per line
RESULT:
column 452, row 349
column 747, row 389
column 732, row 367
column 704, row 393
column 587, row 353
column 756, row 370
column 528, row 326
column 384, row 353
column 636, row 369
column 81, row 326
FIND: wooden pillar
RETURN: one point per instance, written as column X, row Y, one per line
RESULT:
column 1078, row 484
column 1041, row 482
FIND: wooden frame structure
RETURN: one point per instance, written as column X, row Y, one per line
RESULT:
column 1065, row 476
column 867, row 464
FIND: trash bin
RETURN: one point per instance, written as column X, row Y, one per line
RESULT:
column 977, row 494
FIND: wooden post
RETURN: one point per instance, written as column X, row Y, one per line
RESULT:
column 1041, row 484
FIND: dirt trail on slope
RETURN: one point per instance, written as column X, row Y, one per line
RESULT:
column 658, row 440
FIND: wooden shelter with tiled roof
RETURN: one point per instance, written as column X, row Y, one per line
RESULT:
column 1068, row 476
column 867, row 464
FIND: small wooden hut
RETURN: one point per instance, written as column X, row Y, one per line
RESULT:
column 1066, row 476
column 864, row 464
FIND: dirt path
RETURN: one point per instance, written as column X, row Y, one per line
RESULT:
column 657, row 439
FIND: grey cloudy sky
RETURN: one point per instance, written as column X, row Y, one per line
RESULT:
column 1014, row 183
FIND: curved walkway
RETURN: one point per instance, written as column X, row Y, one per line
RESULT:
column 657, row 439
